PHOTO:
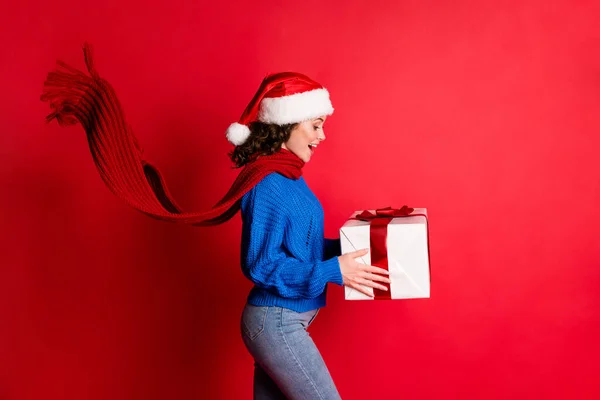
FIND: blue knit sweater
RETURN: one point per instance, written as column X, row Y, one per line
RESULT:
column 283, row 249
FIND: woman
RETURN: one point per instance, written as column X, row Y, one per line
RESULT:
column 283, row 250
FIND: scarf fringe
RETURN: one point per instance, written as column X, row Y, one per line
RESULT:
column 76, row 97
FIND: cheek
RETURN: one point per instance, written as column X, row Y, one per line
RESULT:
column 311, row 135
column 296, row 141
column 302, row 137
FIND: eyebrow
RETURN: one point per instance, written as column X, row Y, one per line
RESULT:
column 322, row 120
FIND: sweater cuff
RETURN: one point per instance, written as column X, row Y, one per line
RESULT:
column 332, row 272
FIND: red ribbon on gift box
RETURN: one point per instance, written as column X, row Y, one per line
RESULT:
column 378, row 239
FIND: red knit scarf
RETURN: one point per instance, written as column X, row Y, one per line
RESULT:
column 91, row 101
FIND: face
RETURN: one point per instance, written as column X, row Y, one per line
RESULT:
column 305, row 138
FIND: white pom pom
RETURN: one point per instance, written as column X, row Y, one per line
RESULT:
column 237, row 133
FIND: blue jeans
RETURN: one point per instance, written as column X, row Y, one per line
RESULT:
column 287, row 364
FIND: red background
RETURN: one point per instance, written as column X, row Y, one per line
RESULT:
column 486, row 114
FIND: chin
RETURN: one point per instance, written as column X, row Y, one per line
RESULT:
column 303, row 156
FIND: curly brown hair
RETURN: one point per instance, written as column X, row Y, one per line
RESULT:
column 264, row 139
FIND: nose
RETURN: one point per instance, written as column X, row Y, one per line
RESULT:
column 322, row 137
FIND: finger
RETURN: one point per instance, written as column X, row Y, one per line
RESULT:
column 369, row 283
column 375, row 277
column 376, row 270
column 359, row 253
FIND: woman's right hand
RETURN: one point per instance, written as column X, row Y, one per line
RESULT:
column 357, row 275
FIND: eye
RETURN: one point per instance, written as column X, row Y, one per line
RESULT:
column 318, row 127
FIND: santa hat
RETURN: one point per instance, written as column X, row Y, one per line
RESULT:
column 282, row 98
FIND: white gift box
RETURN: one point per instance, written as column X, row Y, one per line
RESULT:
column 407, row 254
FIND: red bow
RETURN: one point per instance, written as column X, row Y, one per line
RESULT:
column 387, row 212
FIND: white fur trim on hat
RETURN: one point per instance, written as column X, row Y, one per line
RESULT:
column 295, row 108
column 237, row 133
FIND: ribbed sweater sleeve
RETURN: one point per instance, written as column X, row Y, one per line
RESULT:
column 266, row 260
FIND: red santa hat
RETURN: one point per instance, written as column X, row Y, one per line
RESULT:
column 282, row 98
